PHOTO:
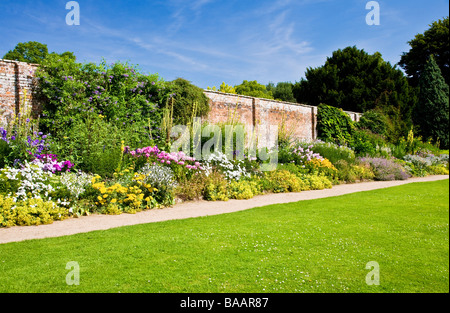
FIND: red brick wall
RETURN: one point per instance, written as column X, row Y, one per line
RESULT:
column 260, row 114
column 15, row 77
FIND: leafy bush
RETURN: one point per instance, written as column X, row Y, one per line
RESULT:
column 422, row 165
column 189, row 101
column 374, row 121
column 334, row 125
column 366, row 143
column 93, row 145
column 129, row 100
column 192, row 188
column 334, row 152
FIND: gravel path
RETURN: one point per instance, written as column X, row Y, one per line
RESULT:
column 186, row 210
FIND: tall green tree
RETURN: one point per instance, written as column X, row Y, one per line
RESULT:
column 435, row 41
column 253, row 89
column 282, row 91
column 32, row 52
column 189, row 101
column 432, row 111
column 354, row 80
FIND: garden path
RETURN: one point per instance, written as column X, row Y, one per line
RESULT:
column 187, row 210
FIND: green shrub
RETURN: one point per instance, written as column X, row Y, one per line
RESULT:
column 69, row 91
column 189, row 101
column 374, row 121
column 334, row 152
column 334, row 125
column 93, row 145
column 440, row 169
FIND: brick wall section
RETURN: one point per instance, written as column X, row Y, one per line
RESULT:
column 15, row 77
column 260, row 114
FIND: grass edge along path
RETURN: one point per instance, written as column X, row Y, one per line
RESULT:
column 310, row 246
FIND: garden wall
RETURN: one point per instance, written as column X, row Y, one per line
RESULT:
column 257, row 114
column 15, row 78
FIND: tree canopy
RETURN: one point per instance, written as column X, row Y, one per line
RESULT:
column 253, row 89
column 434, row 41
column 354, row 80
column 32, row 52
column 432, row 111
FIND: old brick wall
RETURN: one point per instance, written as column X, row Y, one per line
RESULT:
column 262, row 115
column 15, row 78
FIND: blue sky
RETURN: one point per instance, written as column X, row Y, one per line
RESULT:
column 211, row 41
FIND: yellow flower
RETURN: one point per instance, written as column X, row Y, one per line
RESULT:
column 99, row 198
column 105, row 196
column 113, row 200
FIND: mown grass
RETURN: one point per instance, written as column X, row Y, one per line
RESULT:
column 309, row 246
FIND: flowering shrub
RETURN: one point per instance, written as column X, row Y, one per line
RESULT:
column 244, row 189
column 280, row 181
column 76, row 183
column 30, row 181
column 321, row 166
column 118, row 92
column 115, row 198
column 50, row 163
column 232, row 169
column 161, row 178
column 353, row 172
column 29, row 212
column 216, row 187
column 318, row 182
column 181, row 164
column 15, row 149
column 385, row 169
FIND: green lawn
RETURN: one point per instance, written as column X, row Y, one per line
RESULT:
column 310, row 246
